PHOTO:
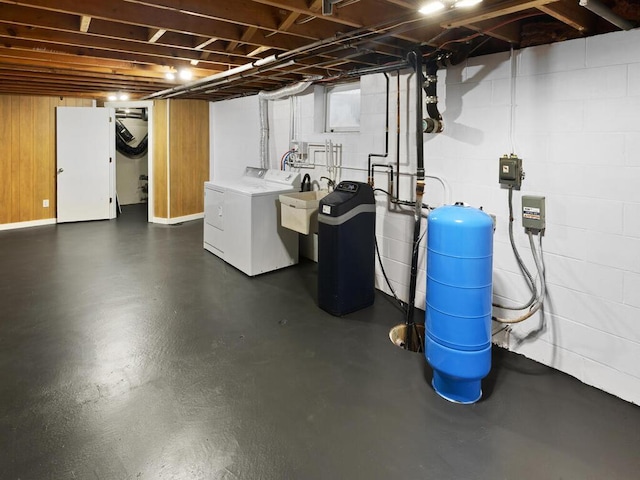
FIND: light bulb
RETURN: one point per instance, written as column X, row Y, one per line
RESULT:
column 431, row 7
column 185, row 74
column 170, row 76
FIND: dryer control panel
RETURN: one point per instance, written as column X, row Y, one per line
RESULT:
column 283, row 177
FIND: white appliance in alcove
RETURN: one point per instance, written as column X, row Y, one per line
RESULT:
column 242, row 221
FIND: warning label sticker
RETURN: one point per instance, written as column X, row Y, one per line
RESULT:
column 531, row 212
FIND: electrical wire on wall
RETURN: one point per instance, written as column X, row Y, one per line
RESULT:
column 536, row 300
column 539, row 301
column 531, row 283
column 512, row 109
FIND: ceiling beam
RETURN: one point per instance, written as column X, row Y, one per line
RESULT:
column 78, row 44
column 570, row 13
column 85, row 21
column 155, row 34
column 497, row 10
column 148, row 16
column 246, row 36
column 204, row 43
column 257, row 51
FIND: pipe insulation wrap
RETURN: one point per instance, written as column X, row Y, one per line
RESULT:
column 264, row 98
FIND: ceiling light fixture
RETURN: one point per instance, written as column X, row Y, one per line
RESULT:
column 170, row 76
column 437, row 5
column 431, row 7
column 185, row 74
column 123, row 97
column 112, row 97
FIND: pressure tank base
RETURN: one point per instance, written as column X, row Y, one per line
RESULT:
column 455, row 390
column 457, row 374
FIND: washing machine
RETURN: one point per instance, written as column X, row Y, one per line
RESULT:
column 242, row 221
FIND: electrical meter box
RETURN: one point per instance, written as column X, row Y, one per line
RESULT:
column 510, row 173
column 533, row 213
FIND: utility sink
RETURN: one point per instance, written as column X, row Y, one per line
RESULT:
column 300, row 210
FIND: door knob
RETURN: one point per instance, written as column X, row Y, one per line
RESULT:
column 60, row 170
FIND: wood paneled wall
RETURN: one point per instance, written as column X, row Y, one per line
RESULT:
column 160, row 151
column 181, row 157
column 28, row 156
column 189, row 157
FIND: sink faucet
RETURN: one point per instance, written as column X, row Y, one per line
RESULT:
column 330, row 183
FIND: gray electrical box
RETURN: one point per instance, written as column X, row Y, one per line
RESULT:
column 533, row 213
column 510, row 173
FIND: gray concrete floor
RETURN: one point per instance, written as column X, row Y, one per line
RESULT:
column 129, row 352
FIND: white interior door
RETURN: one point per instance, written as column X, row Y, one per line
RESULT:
column 85, row 144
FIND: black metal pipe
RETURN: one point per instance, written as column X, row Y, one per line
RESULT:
column 419, row 193
column 397, row 134
column 434, row 122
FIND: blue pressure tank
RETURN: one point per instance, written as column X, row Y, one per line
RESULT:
column 458, row 314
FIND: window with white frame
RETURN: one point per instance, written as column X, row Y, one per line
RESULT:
column 343, row 108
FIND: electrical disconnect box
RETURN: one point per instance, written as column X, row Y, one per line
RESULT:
column 301, row 149
column 533, row 213
column 511, row 173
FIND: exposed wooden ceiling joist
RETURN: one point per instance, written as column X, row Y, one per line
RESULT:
column 90, row 47
column 85, row 22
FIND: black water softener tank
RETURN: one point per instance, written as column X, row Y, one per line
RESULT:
column 346, row 248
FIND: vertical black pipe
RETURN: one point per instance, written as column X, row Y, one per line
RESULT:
column 419, row 193
column 434, row 120
column 397, row 192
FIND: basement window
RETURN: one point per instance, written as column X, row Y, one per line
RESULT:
column 343, row 108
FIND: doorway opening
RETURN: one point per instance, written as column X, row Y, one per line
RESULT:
column 134, row 159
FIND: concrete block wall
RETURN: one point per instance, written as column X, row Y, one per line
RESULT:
column 235, row 137
column 576, row 125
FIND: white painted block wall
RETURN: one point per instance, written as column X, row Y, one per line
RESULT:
column 235, row 137
column 577, row 128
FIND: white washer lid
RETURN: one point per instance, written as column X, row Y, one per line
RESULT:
column 254, row 190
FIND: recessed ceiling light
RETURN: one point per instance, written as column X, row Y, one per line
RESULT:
column 431, row 7
column 170, row 76
column 112, row 98
column 123, row 97
column 185, row 74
